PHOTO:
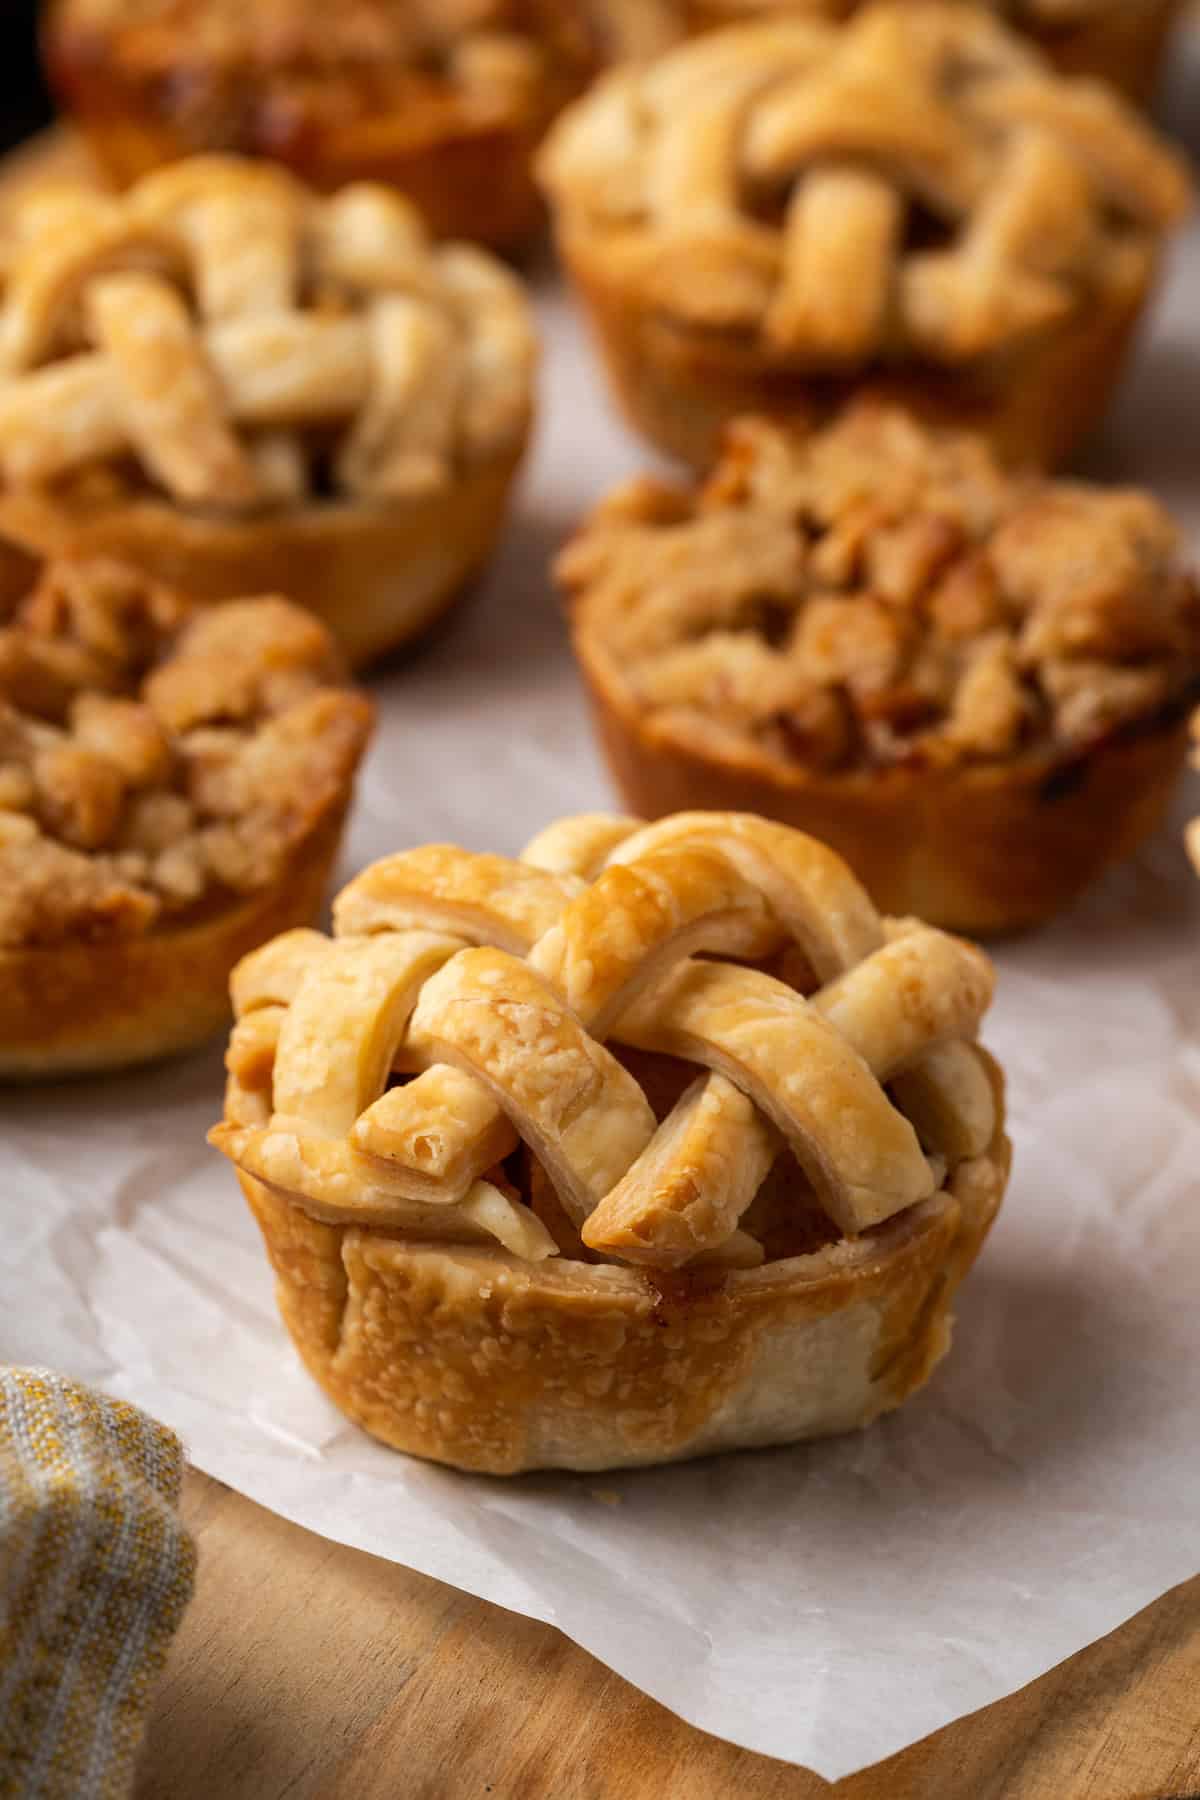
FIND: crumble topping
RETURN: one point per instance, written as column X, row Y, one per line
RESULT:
column 879, row 593
column 155, row 758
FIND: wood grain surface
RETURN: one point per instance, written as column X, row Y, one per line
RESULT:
column 314, row 1672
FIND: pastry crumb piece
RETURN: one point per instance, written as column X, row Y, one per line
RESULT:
column 116, row 811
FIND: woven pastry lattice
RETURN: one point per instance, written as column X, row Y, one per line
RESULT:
column 918, row 179
column 466, row 1002
column 243, row 343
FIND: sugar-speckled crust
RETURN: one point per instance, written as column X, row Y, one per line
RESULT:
column 376, row 576
column 83, row 1008
column 578, row 1366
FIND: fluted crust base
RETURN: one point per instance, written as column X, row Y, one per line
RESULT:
column 680, row 387
column 377, row 576
column 471, row 1357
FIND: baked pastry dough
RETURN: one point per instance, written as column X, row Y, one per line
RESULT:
column 974, row 687
column 233, row 384
column 547, row 1183
column 1119, row 41
column 781, row 213
column 172, row 788
column 445, row 100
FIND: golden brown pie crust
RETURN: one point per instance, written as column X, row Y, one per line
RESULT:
column 976, row 821
column 912, row 203
column 377, row 577
column 1123, row 45
column 983, row 850
column 1118, row 41
column 680, row 391
column 85, row 1008
column 445, row 102
column 740, row 1223
column 236, row 385
column 173, row 785
column 579, row 1366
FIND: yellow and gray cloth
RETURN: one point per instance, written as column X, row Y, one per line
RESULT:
column 95, row 1572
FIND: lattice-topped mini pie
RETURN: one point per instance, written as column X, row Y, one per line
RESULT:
column 974, row 687
column 1120, row 41
column 173, row 783
column 236, row 385
column 548, row 1181
column 782, row 212
column 445, row 100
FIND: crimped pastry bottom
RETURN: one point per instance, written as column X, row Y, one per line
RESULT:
column 476, row 1359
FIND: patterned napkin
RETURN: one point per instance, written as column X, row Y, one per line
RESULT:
column 95, row 1573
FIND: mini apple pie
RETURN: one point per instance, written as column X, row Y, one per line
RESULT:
column 239, row 387
column 1120, row 41
column 974, row 687
column 173, row 782
column 779, row 214
column 445, row 100
column 547, row 1182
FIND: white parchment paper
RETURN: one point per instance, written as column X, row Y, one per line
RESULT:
column 827, row 1604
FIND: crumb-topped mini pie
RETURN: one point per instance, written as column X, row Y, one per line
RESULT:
column 445, row 100
column 778, row 214
column 547, row 1182
column 975, row 687
column 1120, row 41
column 238, row 386
column 173, row 782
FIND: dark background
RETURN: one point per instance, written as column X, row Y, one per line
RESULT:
column 23, row 102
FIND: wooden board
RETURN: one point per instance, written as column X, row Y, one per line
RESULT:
column 314, row 1672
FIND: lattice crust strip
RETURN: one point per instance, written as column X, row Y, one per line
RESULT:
column 915, row 180
column 493, row 988
column 245, row 342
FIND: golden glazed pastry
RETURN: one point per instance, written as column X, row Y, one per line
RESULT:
column 445, row 100
column 974, row 687
column 1120, row 41
column 544, row 1185
column 172, row 788
column 781, row 213
column 237, row 386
